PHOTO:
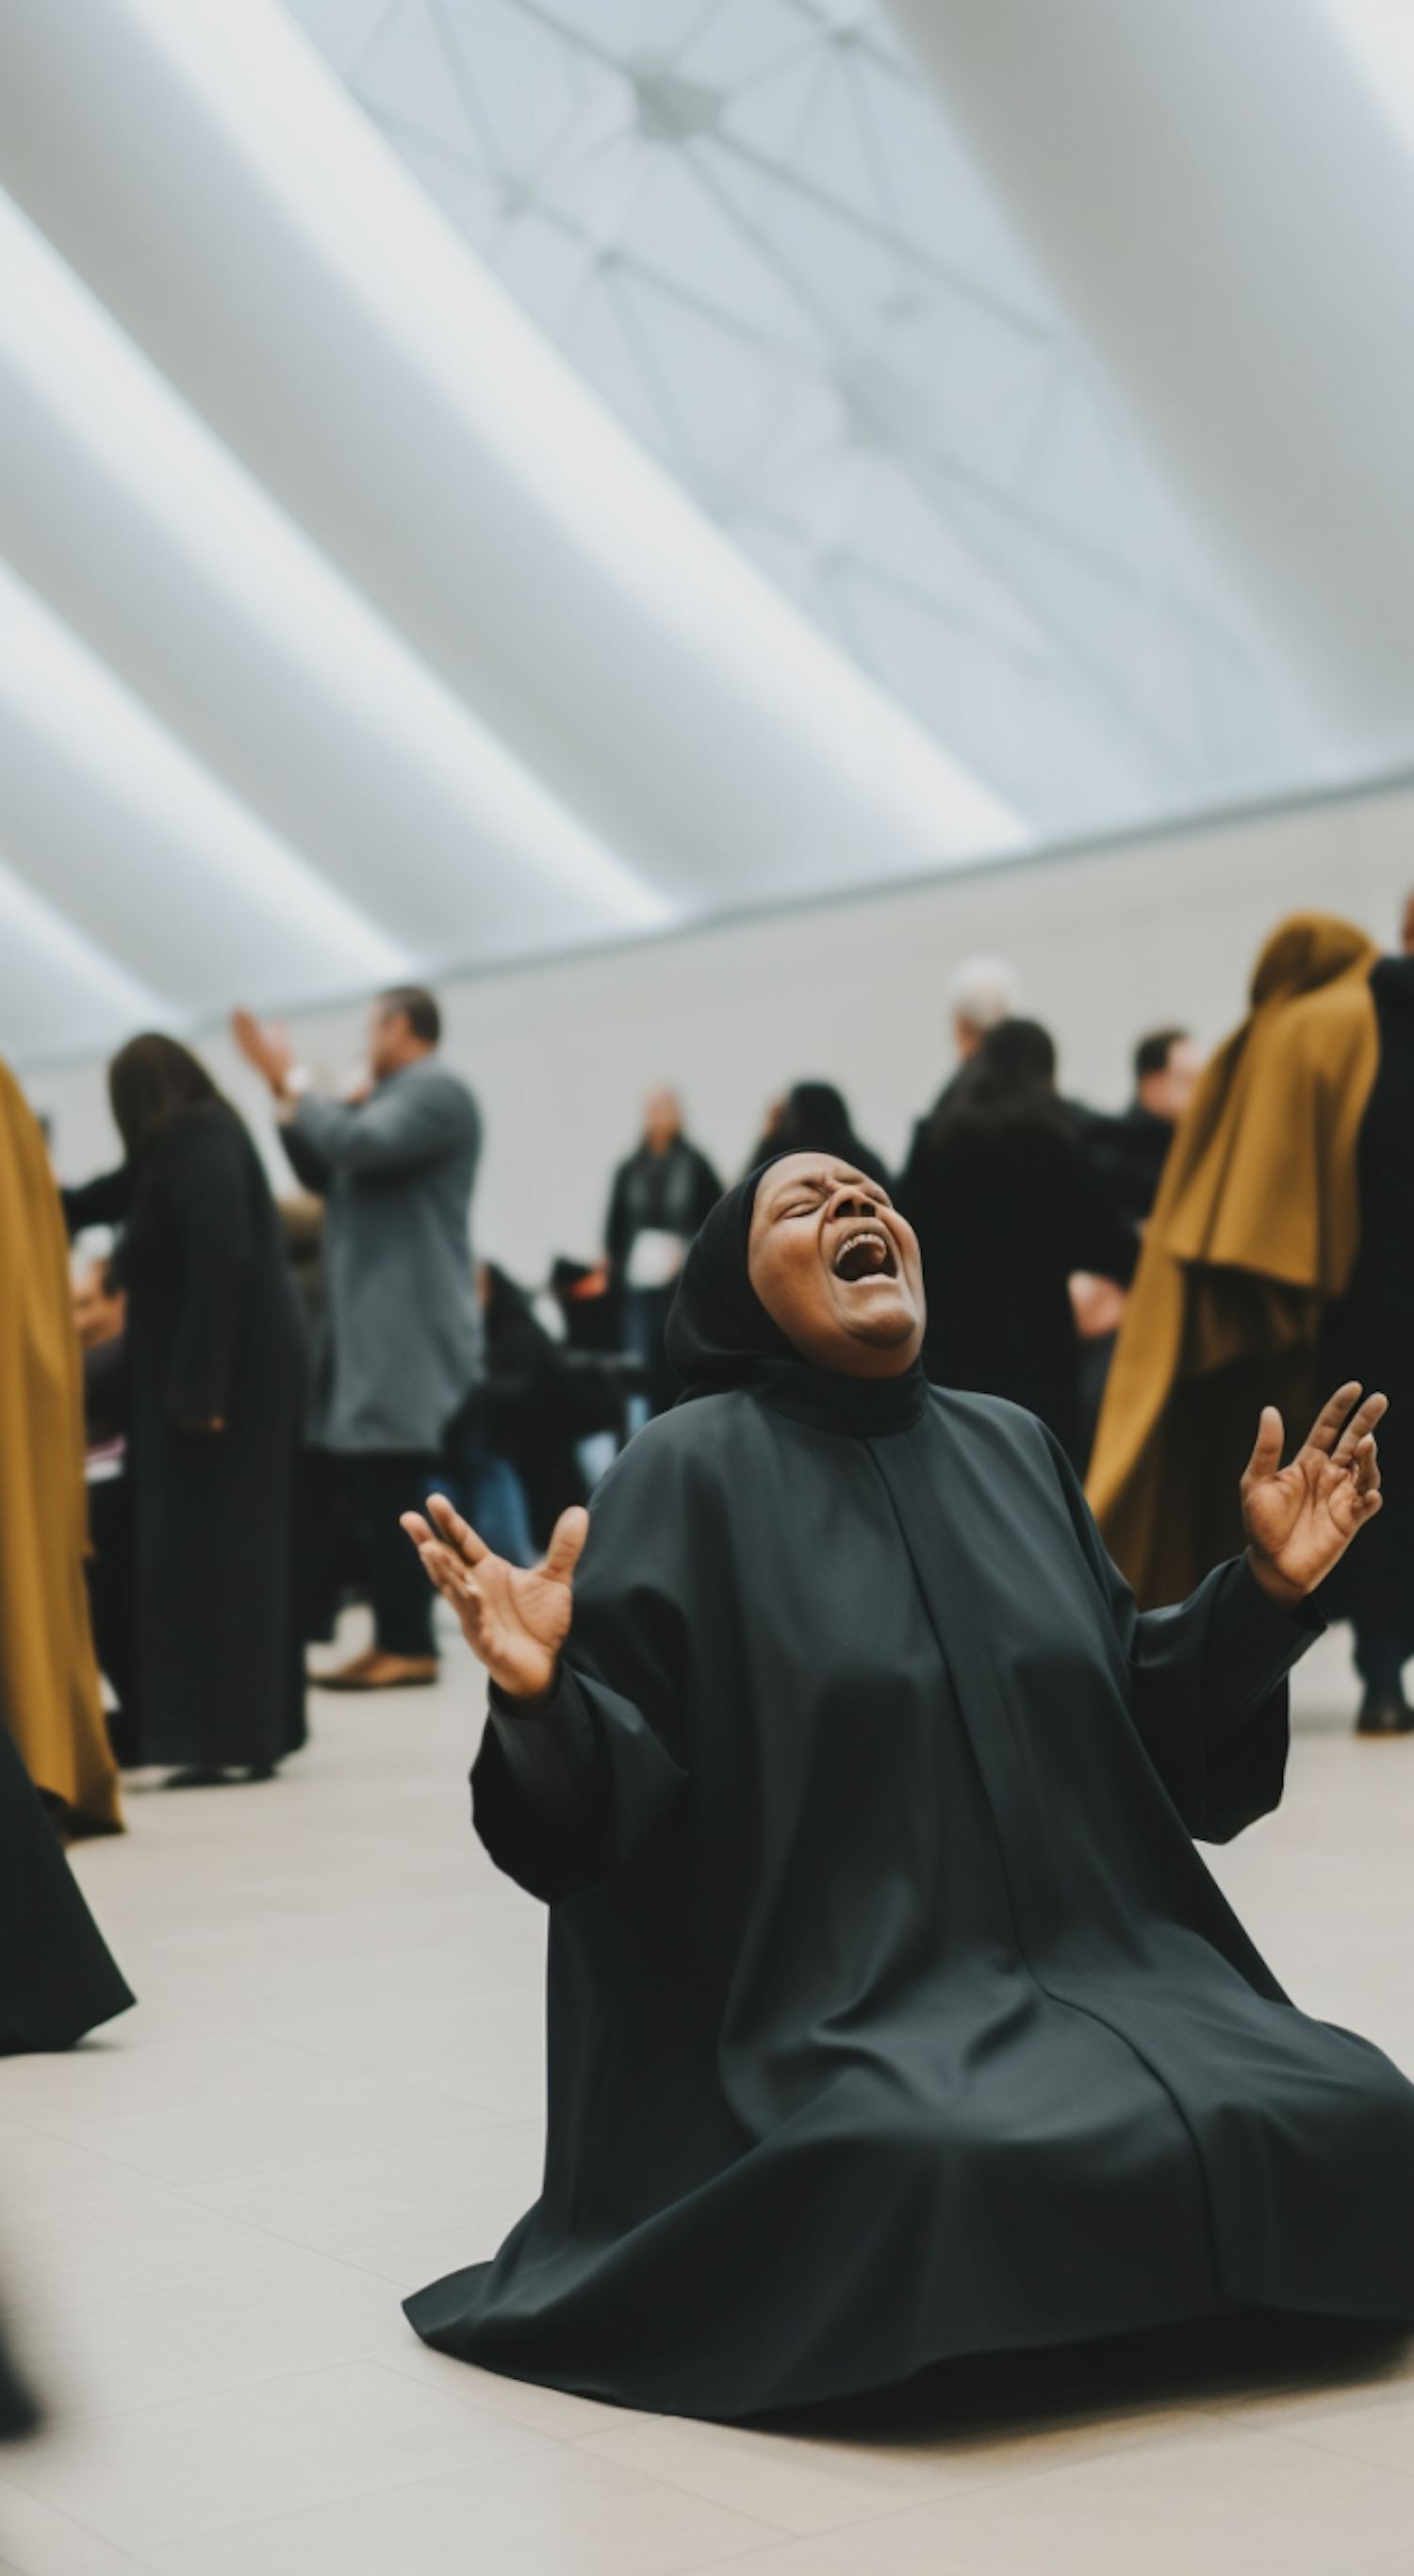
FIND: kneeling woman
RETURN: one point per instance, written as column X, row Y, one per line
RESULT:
column 892, row 2014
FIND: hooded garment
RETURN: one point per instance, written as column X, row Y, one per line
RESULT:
column 49, row 1694
column 891, row 2014
column 1254, row 1233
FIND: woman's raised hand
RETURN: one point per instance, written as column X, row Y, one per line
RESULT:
column 514, row 1618
column 1300, row 1519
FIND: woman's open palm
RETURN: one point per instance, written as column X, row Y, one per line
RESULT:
column 514, row 1618
column 1301, row 1519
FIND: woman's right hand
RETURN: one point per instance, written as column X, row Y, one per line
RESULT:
column 514, row 1618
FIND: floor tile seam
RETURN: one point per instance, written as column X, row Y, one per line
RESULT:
column 100, row 2539
column 59, row 2425
column 894, row 2510
column 394, row 2485
column 306, row 2164
column 189, row 2191
column 1354, row 2459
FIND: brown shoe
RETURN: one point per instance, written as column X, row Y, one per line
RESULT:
column 343, row 1676
column 375, row 1671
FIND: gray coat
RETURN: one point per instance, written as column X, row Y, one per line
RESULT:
column 400, row 1337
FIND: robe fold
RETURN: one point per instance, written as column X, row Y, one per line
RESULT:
column 892, row 2013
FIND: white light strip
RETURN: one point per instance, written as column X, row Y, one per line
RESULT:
column 166, row 459
column 42, row 943
column 56, row 687
column 1379, row 36
column 392, row 250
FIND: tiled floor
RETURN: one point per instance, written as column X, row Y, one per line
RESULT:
column 331, row 2091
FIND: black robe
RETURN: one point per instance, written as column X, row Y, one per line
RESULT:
column 1002, row 1221
column 58, row 1978
column 213, row 1329
column 1369, row 1332
column 892, row 2013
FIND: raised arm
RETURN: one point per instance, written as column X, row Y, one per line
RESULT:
column 401, row 1126
column 1209, row 1675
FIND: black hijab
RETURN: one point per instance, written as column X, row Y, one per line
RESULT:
column 720, row 1335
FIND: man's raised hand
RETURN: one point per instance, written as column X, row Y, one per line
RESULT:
column 1301, row 1519
column 514, row 1618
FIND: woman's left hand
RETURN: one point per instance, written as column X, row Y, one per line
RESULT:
column 1301, row 1519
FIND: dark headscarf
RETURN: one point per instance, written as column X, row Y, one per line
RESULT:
column 720, row 1335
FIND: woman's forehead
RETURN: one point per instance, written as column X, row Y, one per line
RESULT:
column 825, row 1171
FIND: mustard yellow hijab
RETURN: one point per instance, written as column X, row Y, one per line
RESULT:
column 49, row 1696
column 1254, row 1231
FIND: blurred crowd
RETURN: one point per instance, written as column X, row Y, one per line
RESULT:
column 268, row 1383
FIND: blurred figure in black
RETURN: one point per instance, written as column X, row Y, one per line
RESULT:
column 530, row 1417
column 1129, row 1152
column 660, row 1198
column 1006, row 1206
column 100, row 1320
column 813, row 1119
column 217, row 1356
column 1371, row 1327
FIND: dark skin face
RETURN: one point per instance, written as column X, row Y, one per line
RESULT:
column 837, row 1267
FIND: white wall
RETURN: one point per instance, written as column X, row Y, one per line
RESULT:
column 1108, row 943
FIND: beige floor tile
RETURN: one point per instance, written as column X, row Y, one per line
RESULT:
column 555, row 2513
column 475, row 2182
column 1200, row 2500
column 811, row 2485
column 38, row 2541
column 542, row 2410
column 166, row 2473
column 284, row 2312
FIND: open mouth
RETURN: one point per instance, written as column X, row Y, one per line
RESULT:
column 867, row 1253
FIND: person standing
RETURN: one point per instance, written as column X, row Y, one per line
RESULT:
column 660, row 1197
column 399, row 1346
column 49, row 1694
column 814, row 1118
column 1279, row 1240
column 1129, row 1152
column 217, row 1367
column 1006, row 1208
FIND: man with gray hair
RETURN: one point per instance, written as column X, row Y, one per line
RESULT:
column 400, row 1343
column 981, row 993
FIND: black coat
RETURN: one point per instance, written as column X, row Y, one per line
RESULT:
column 671, row 1192
column 1369, row 1332
column 213, row 1329
column 892, row 2014
column 1001, row 1225
column 1128, row 1153
column 527, row 1405
column 57, row 1976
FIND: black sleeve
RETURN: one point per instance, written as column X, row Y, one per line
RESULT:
column 1096, row 1238
column 539, row 1793
column 305, row 1159
column 207, row 1191
column 566, row 1794
column 104, row 1201
column 1208, row 1681
column 616, row 1224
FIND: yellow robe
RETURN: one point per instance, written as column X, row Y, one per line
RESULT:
column 1254, row 1231
column 49, row 1694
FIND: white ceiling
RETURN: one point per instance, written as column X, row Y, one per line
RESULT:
column 496, row 478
